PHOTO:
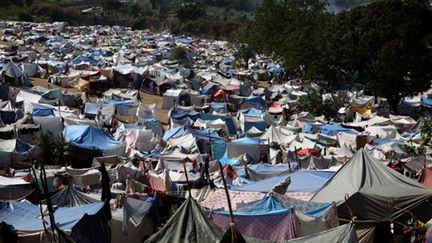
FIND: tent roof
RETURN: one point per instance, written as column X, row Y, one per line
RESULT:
column 344, row 234
column 374, row 188
column 188, row 224
column 70, row 197
column 12, row 70
column 91, row 137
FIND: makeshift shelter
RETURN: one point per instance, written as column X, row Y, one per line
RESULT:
column 85, row 223
column 188, row 224
column 174, row 97
column 69, row 196
column 12, row 75
column 250, row 146
column 14, row 150
column 374, row 191
column 343, row 234
column 267, row 219
column 91, row 141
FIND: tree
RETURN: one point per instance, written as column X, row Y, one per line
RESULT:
column 314, row 104
column 244, row 53
column 60, row 150
column 179, row 53
column 385, row 43
column 289, row 30
column 45, row 147
column 190, row 11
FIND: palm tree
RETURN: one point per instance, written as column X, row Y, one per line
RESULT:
column 46, row 149
column 60, row 150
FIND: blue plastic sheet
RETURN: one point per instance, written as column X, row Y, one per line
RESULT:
column 333, row 129
column 43, row 112
column 86, row 136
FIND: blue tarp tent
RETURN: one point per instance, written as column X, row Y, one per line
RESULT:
column 252, row 111
column 208, row 89
column 25, row 217
column 426, row 101
column 81, row 59
column 43, row 112
column 333, row 129
column 266, row 206
column 257, row 101
column 227, row 119
column 89, row 137
column 260, row 125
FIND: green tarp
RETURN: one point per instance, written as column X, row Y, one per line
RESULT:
column 188, row 224
column 374, row 191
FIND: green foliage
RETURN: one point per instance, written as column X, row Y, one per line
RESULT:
column 314, row 104
column 60, row 150
column 190, row 10
column 290, row 30
column 110, row 4
column 385, row 43
column 24, row 16
column 46, row 148
column 52, row 150
column 179, row 53
column 243, row 53
column 426, row 128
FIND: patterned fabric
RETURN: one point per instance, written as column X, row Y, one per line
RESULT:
column 278, row 227
column 217, row 199
column 156, row 182
column 305, row 196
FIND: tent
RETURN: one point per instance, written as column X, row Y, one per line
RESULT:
column 70, row 197
column 342, row 234
column 173, row 97
column 188, row 224
column 85, row 223
column 93, row 138
column 266, row 219
column 11, row 74
column 13, row 150
column 375, row 191
column 250, row 146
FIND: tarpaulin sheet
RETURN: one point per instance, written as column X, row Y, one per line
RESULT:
column 89, row 137
column 252, row 111
column 218, row 150
column 229, row 121
column 24, row 216
column 261, row 125
column 333, row 129
column 188, row 224
column 370, row 186
column 276, row 227
column 426, row 101
column 43, row 112
column 301, row 181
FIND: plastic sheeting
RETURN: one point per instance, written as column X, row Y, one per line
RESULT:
column 188, row 224
column 371, row 186
column 90, row 137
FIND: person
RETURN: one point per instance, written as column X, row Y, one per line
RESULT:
column 130, row 184
column 66, row 68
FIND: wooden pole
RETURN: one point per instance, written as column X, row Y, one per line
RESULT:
column 232, row 224
column 210, row 143
column 187, row 178
column 268, row 151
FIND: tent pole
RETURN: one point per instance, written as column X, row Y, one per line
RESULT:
column 232, row 224
column 268, row 151
column 210, row 143
column 187, row 177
